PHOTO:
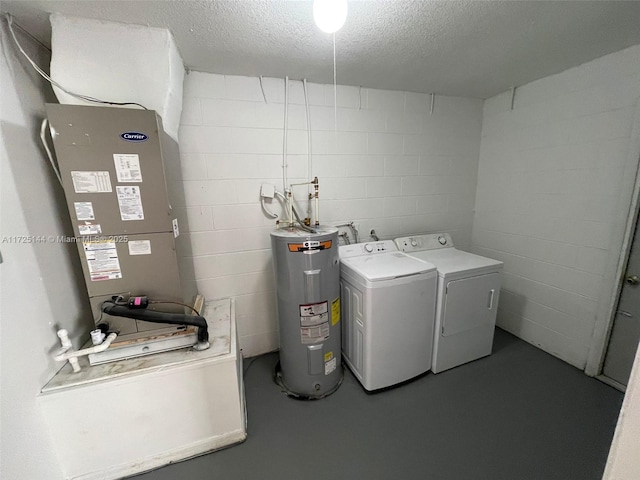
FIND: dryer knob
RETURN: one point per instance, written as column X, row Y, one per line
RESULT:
column 368, row 247
column 414, row 243
column 442, row 239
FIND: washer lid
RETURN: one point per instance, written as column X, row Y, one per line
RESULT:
column 451, row 260
column 386, row 266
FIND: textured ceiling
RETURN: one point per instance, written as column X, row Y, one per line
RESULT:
column 463, row 48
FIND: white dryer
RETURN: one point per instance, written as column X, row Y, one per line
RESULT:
column 468, row 293
column 388, row 312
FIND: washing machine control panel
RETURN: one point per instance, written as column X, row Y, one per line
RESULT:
column 368, row 248
column 424, row 242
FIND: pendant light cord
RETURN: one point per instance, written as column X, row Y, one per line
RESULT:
column 335, row 91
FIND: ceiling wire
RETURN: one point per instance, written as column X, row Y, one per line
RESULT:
column 28, row 34
column 44, row 75
column 262, row 89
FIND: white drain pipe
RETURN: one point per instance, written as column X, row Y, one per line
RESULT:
column 65, row 353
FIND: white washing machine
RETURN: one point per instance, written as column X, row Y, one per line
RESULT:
column 388, row 312
column 468, row 293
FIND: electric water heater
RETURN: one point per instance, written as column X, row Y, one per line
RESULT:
column 307, row 272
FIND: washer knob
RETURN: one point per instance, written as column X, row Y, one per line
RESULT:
column 414, row 243
column 368, row 247
column 442, row 239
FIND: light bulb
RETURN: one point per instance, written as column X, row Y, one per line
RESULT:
column 329, row 15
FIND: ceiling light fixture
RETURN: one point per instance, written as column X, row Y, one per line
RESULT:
column 330, row 15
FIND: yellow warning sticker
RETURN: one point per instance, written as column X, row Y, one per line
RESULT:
column 335, row 311
column 328, row 356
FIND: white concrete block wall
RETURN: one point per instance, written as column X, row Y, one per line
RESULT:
column 554, row 187
column 389, row 165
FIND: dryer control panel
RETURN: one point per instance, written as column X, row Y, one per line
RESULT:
column 419, row 243
column 367, row 248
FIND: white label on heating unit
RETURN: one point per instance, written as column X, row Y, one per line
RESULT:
column 127, row 167
column 130, row 203
column 91, row 182
column 84, row 211
column 90, row 229
column 139, row 247
column 102, row 260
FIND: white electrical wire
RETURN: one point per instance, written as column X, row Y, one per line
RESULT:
column 43, row 138
column 284, row 137
column 28, row 34
column 310, row 161
column 262, row 89
column 86, row 98
column 266, row 210
column 335, row 90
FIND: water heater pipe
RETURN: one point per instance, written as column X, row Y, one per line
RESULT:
column 313, row 182
column 290, row 206
column 310, row 159
column 295, row 212
column 316, row 187
column 352, row 227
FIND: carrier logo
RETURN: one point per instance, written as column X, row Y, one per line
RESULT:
column 133, row 136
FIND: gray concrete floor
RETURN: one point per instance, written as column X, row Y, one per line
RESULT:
column 518, row 414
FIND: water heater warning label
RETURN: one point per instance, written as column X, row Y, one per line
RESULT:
column 314, row 322
column 330, row 366
column 335, row 311
column 330, row 363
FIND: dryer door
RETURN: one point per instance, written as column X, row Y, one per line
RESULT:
column 470, row 303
